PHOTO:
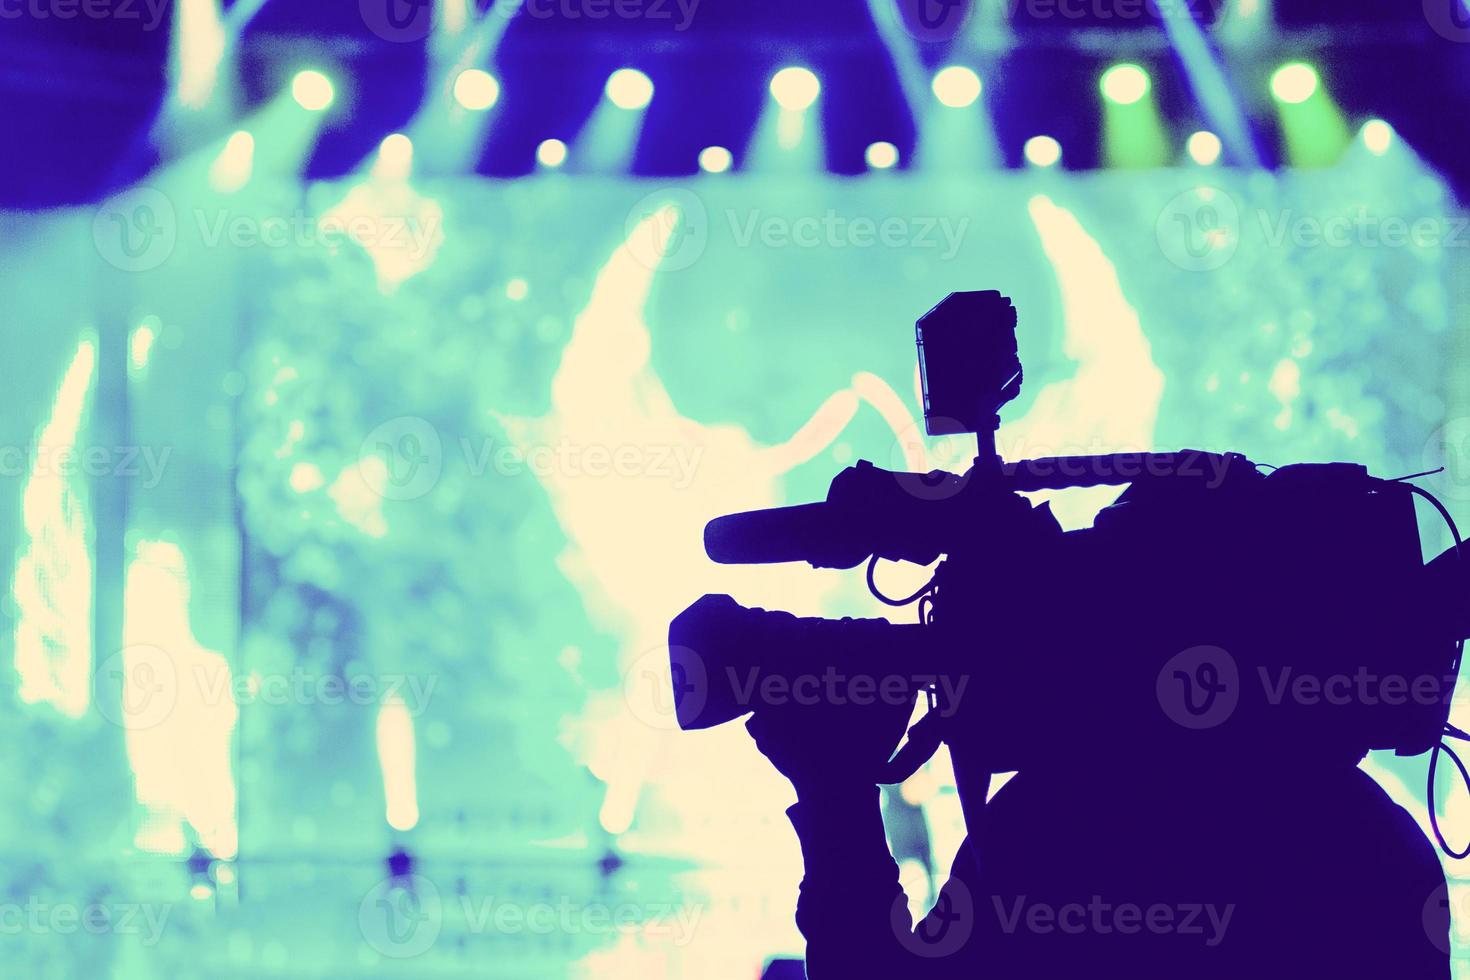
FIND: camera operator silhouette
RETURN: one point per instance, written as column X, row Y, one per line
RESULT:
column 1185, row 690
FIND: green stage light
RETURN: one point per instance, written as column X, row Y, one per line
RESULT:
column 1312, row 125
column 1124, row 84
column 1294, row 83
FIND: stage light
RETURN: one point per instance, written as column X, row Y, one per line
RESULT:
column 881, row 155
column 715, row 159
column 1042, row 151
column 1124, row 84
column 551, row 153
column 200, row 43
column 1313, row 127
column 395, row 156
column 312, row 90
column 629, row 88
column 1294, row 83
column 231, row 170
column 1204, row 147
column 795, row 88
column 476, row 89
column 957, row 86
column 1377, row 136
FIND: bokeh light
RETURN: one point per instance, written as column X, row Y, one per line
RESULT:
column 881, row 155
column 1203, row 147
column 1377, row 136
column 476, row 89
column 551, row 153
column 1124, row 84
column 957, row 86
column 1042, row 151
column 1294, row 83
column 312, row 90
column 715, row 159
column 795, row 88
column 629, row 88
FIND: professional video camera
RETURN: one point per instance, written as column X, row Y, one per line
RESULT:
column 1212, row 608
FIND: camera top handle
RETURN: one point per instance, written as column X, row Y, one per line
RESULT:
column 871, row 511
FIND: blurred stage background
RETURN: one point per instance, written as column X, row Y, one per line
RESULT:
column 372, row 369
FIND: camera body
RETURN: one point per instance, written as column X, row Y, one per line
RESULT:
column 1211, row 609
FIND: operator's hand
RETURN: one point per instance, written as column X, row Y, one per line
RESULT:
column 830, row 747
